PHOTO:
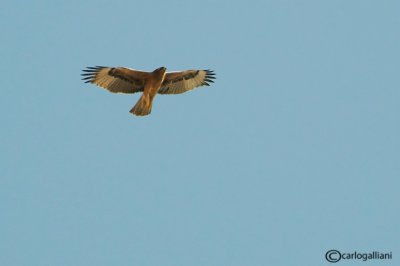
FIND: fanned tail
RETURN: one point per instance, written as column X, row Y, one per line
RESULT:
column 142, row 107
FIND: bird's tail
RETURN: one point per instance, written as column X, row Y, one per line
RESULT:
column 143, row 106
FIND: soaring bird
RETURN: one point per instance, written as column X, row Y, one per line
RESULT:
column 127, row 80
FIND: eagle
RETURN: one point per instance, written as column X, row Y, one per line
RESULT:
column 127, row 80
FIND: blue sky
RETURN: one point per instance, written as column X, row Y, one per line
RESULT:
column 293, row 151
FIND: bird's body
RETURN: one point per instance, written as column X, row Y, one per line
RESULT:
column 126, row 80
column 151, row 87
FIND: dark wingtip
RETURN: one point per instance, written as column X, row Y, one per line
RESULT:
column 95, row 68
column 210, row 72
column 89, row 73
column 210, row 76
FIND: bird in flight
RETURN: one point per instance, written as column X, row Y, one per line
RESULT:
column 127, row 80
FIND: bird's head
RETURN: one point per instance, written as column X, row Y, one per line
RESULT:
column 160, row 70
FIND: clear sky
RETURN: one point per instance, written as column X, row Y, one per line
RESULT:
column 293, row 151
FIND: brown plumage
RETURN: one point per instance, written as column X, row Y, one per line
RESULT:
column 126, row 80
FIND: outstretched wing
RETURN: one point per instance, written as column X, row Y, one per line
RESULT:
column 116, row 79
column 183, row 81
